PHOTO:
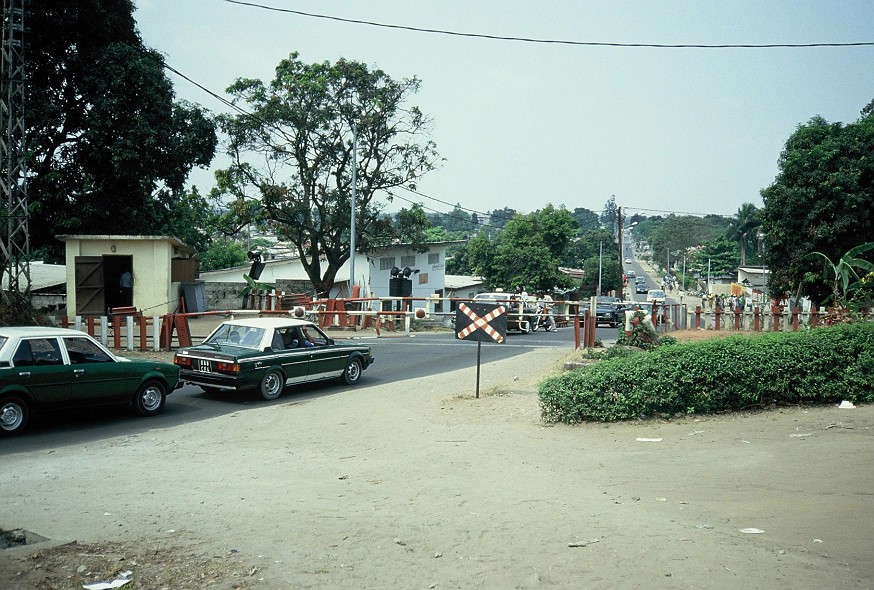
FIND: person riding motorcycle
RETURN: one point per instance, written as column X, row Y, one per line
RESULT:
column 544, row 312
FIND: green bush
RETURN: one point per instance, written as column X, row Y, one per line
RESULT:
column 734, row 373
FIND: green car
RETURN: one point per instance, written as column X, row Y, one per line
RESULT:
column 267, row 354
column 44, row 369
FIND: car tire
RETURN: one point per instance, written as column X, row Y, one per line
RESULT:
column 272, row 384
column 352, row 372
column 13, row 415
column 150, row 398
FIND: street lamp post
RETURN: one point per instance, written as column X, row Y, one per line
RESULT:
column 352, row 228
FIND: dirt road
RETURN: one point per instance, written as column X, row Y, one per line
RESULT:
column 418, row 485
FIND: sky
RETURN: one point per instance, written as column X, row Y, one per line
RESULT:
column 524, row 125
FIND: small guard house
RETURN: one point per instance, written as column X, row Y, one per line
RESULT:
column 110, row 271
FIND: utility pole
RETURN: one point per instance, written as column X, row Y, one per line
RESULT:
column 621, row 271
column 15, row 245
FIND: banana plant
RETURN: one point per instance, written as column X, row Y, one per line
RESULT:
column 252, row 285
column 846, row 279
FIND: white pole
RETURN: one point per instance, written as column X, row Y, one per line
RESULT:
column 354, row 181
column 600, row 254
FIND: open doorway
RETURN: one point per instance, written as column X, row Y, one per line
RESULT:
column 118, row 281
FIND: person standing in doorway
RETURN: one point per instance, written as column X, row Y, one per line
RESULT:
column 126, row 288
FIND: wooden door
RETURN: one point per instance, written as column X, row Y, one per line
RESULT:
column 90, row 296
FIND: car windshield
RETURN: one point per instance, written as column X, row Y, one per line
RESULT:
column 233, row 335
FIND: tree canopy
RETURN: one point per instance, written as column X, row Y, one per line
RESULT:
column 110, row 149
column 526, row 253
column 822, row 200
column 586, row 219
column 292, row 157
column 743, row 229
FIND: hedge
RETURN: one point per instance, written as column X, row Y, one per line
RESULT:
column 733, row 373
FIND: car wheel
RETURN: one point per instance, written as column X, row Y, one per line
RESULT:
column 272, row 384
column 150, row 398
column 13, row 416
column 352, row 372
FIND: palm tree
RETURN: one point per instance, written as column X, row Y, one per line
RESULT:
column 741, row 228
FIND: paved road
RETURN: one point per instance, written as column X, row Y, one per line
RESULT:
column 397, row 359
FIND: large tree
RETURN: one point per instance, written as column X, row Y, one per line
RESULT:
column 675, row 234
column 527, row 252
column 822, row 200
column 292, row 155
column 110, row 149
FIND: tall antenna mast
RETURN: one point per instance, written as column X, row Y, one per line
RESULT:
column 15, row 245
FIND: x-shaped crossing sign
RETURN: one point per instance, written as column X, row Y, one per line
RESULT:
column 485, row 322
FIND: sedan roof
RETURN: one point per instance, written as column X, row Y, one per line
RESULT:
column 267, row 323
column 30, row 331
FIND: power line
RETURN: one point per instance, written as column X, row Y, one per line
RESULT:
column 554, row 41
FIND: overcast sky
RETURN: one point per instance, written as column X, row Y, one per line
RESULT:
column 526, row 124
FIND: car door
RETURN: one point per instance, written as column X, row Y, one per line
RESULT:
column 38, row 365
column 97, row 378
column 325, row 359
column 292, row 354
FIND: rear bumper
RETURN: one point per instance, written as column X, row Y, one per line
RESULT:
column 210, row 380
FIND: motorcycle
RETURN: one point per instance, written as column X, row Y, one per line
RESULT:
column 542, row 318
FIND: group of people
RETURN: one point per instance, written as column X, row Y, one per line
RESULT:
column 724, row 302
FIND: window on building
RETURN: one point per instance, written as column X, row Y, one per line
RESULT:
column 387, row 263
column 408, row 261
column 433, row 257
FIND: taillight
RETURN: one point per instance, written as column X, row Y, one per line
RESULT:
column 223, row 367
column 182, row 361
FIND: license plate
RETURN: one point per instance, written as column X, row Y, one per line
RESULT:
column 203, row 366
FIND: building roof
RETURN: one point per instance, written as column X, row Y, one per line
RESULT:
column 462, row 281
column 129, row 238
column 43, row 276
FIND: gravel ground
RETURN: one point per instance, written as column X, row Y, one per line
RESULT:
column 417, row 484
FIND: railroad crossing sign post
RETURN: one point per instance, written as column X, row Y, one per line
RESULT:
column 483, row 322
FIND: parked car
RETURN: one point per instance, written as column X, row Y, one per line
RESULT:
column 268, row 354
column 607, row 312
column 44, row 369
column 521, row 315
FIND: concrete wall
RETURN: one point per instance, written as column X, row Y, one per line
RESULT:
column 226, row 294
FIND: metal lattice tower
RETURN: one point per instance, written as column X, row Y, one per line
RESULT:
column 15, row 244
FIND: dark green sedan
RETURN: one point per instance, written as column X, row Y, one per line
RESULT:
column 44, row 369
column 267, row 354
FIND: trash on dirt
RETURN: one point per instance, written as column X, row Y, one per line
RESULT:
column 752, row 531
column 641, row 439
column 703, row 526
column 800, row 435
column 817, row 540
column 583, row 543
column 845, row 405
column 123, row 579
